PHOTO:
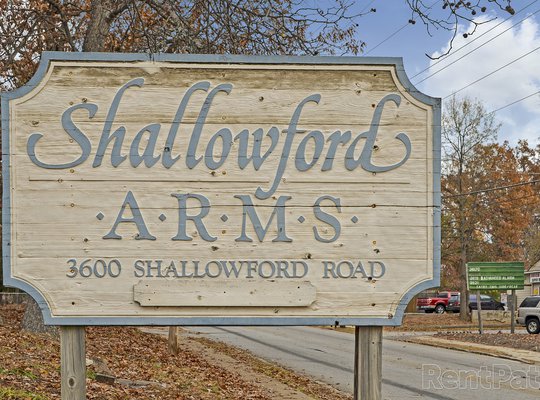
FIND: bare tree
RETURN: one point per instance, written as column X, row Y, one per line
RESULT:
column 465, row 126
column 456, row 12
column 29, row 27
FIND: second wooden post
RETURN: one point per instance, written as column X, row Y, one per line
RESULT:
column 368, row 362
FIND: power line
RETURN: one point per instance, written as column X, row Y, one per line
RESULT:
column 525, row 205
column 410, row 22
column 478, row 37
column 492, row 72
column 493, row 189
column 514, row 102
column 476, row 48
column 391, row 36
column 368, row 4
column 502, row 199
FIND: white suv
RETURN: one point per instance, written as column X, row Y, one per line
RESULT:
column 529, row 314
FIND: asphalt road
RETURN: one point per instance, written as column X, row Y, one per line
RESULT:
column 410, row 371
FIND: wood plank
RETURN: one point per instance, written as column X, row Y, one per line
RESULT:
column 292, row 77
column 250, row 293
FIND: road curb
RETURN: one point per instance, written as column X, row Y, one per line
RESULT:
column 524, row 356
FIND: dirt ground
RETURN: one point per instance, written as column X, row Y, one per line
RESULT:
column 143, row 368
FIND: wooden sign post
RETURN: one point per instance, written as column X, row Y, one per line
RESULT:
column 513, row 311
column 73, row 362
column 479, row 309
column 173, row 340
column 368, row 362
column 221, row 190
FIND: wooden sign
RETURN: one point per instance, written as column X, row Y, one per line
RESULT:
column 216, row 190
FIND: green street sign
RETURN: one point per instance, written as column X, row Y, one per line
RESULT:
column 495, row 275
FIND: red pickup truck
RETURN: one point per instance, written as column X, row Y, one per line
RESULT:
column 434, row 302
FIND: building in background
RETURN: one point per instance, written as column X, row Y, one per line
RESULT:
column 532, row 283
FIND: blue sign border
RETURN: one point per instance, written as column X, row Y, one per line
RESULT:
column 391, row 320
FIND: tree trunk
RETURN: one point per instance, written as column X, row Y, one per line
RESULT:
column 464, row 298
column 102, row 14
column 33, row 319
column 463, row 312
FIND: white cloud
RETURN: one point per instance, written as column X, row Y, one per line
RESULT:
column 529, row 131
column 511, row 83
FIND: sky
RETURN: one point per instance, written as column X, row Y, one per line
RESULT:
column 501, row 40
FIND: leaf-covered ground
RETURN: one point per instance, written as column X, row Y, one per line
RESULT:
column 30, row 368
column 516, row 341
column 431, row 322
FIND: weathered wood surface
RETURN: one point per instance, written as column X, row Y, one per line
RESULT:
column 225, row 294
column 368, row 363
column 73, row 362
column 386, row 217
column 173, row 340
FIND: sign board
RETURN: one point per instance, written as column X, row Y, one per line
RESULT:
column 495, row 275
column 217, row 190
column 534, row 277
